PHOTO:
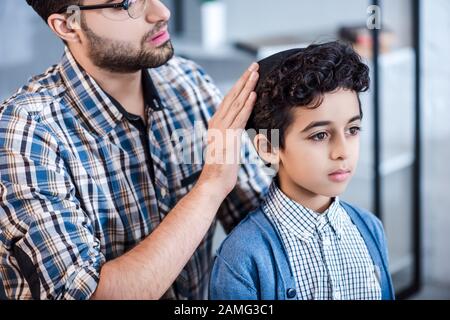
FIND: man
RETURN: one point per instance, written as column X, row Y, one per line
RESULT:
column 93, row 204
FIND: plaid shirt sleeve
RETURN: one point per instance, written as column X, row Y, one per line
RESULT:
column 253, row 183
column 47, row 246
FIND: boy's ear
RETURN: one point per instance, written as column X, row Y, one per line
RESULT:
column 265, row 150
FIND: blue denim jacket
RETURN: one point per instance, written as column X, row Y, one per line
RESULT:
column 252, row 263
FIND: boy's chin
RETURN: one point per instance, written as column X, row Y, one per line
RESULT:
column 334, row 192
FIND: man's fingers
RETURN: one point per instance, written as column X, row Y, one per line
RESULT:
column 235, row 108
column 228, row 111
column 242, row 117
column 240, row 84
column 240, row 101
column 248, row 88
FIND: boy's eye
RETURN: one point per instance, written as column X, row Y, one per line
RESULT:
column 319, row 136
column 354, row 130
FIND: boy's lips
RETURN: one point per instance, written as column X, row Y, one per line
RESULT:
column 339, row 175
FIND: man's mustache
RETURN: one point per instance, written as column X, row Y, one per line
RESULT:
column 158, row 27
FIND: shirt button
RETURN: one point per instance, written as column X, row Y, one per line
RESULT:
column 326, row 242
column 337, row 295
column 291, row 293
column 163, row 193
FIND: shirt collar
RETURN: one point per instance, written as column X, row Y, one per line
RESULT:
column 301, row 221
column 98, row 109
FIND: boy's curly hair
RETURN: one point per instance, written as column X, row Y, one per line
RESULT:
column 300, row 78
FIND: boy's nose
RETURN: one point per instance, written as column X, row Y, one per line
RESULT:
column 339, row 150
column 157, row 12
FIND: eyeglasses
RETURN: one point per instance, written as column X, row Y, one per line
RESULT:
column 116, row 11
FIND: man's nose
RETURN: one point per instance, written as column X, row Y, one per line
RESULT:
column 157, row 12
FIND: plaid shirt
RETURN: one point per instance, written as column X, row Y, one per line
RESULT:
column 82, row 181
column 326, row 252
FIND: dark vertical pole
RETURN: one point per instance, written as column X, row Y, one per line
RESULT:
column 178, row 9
column 417, row 170
column 418, row 150
column 376, row 120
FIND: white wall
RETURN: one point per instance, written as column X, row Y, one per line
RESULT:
column 436, row 119
column 268, row 18
column 27, row 46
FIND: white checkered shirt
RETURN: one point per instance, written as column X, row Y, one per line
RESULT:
column 326, row 252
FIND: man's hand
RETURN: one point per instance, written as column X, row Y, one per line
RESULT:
column 149, row 269
column 222, row 156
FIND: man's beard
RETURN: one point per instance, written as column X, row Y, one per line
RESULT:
column 121, row 57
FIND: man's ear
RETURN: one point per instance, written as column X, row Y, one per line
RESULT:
column 265, row 150
column 66, row 26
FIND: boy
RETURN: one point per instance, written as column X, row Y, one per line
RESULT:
column 304, row 242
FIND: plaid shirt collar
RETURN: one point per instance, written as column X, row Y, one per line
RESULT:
column 301, row 221
column 98, row 110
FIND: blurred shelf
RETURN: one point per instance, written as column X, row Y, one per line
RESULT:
column 195, row 50
column 396, row 164
column 225, row 65
column 400, row 263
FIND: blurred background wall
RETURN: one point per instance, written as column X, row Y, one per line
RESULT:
column 436, row 141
